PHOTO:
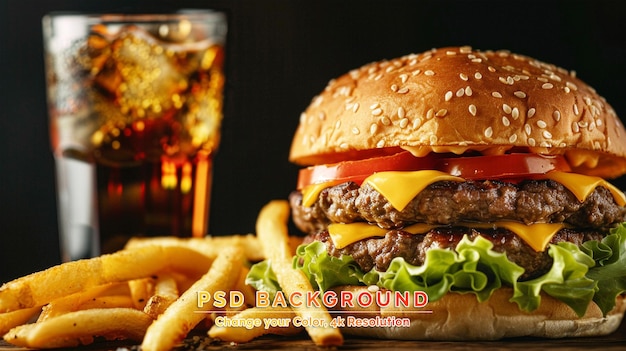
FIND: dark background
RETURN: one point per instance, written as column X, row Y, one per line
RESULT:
column 280, row 54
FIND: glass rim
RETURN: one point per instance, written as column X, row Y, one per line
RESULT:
column 201, row 15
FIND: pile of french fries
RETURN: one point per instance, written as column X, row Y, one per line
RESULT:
column 147, row 293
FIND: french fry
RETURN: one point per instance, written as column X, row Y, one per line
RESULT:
column 141, row 290
column 208, row 245
column 80, row 328
column 272, row 231
column 76, row 301
column 165, row 293
column 10, row 320
column 42, row 287
column 242, row 335
column 184, row 314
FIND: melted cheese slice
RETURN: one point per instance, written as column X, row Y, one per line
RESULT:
column 401, row 187
column 536, row 235
column 581, row 185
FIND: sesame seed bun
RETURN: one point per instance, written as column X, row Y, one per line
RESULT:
column 456, row 100
column 455, row 317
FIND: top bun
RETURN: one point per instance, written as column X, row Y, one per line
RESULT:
column 458, row 99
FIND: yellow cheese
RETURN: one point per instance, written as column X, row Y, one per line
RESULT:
column 536, row 235
column 581, row 185
column 401, row 187
column 311, row 192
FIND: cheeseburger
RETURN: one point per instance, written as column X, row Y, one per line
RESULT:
column 476, row 177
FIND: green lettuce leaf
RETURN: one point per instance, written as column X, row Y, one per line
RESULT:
column 473, row 268
column 610, row 268
column 325, row 271
column 262, row 278
column 565, row 281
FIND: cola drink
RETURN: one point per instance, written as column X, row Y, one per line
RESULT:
column 135, row 106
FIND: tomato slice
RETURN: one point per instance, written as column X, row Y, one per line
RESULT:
column 508, row 166
column 358, row 170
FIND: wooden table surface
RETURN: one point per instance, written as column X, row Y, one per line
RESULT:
column 615, row 341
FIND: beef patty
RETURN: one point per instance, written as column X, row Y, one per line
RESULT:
column 449, row 202
column 378, row 252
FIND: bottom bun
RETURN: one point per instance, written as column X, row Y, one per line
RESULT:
column 461, row 317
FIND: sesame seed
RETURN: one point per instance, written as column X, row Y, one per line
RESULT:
column 448, row 96
column 356, row 131
column 377, row 112
column 344, row 145
column 416, row 72
column 507, row 109
column 513, row 138
column 532, row 142
column 592, row 126
column 488, row 132
column 478, row 75
column 463, row 76
column 531, row 112
column 547, row 134
column 544, row 144
column 355, row 107
column 477, row 60
column 541, row 124
column 502, row 80
column 515, row 113
column 582, row 124
column 556, row 115
column 527, row 129
column 547, row 86
column 472, row 109
column 450, row 53
column 465, row 49
column 401, row 112
column 373, row 288
column 433, row 139
column 429, row 73
column 441, row 113
column 373, row 128
column 575, row 127
column 380, row 144
column 374, row 106
column 599, row 122
column 496, row 95
column 404, row 122
column 394, row 87
column 417, row 122
column 338, row 124
column 460, row 92
column 520, row 94
column 430, row 113
column 566, row 89
column 403, row 90
column 571, row 85
column 506, row 121
column 468, row 91
column 404, row 77
column 385, row 121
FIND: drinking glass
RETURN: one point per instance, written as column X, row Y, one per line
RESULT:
column 135, row 108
